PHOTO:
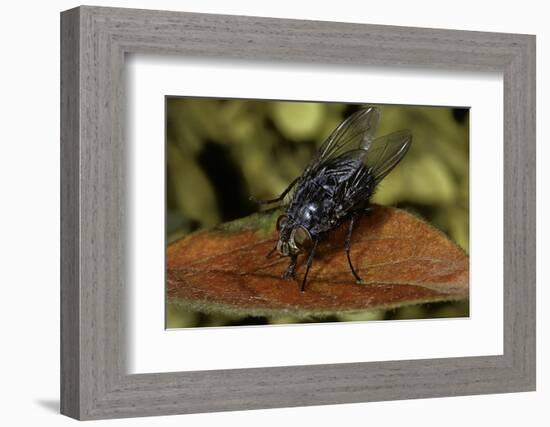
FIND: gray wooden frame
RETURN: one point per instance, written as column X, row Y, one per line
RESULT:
column 94, row 41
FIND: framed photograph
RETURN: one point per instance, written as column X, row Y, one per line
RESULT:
column 262, row 213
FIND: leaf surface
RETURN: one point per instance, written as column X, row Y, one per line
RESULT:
column 401, row 259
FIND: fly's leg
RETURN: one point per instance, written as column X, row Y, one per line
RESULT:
column 309, row 261
column 290, row 272
column 271, row 252
column 348, row 246
column 277, row 199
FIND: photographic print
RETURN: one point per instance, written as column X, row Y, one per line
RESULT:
column 284, row 212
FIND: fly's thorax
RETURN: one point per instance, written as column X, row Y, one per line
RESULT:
column 309, row 213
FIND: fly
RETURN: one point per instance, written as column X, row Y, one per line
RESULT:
column 336, row 187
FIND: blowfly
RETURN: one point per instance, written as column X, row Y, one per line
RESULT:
column 336, row 187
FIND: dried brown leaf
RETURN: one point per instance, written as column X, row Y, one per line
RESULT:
column 401, row 259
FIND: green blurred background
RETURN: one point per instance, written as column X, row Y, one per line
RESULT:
column 221, row 151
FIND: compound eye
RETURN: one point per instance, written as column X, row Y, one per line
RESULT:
column 282, row 221
column 301, row 238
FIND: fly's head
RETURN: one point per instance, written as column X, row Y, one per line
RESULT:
column 293, row 238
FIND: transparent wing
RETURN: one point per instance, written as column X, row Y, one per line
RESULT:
column 382, row 154
column 355, row 132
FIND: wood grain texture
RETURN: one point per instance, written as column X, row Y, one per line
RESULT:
column 70, row 291
column 94, row 272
